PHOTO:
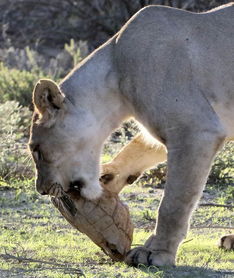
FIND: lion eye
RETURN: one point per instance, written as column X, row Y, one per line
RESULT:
column 40, row 156
column 37, row 153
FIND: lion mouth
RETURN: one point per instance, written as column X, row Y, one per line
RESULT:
column 57, row 191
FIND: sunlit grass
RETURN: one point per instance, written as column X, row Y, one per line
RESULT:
column 32, row 228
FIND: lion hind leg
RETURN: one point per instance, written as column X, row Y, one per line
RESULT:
column 137, row 156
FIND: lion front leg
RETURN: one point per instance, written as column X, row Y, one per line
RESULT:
column 137, row 156
column 189, row 162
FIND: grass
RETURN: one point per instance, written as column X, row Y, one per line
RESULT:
column 31, row 228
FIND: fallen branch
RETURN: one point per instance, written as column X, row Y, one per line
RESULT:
column 186, row 241
column 212, row 227
column 63, row 266
column 225, row 272
column 216, row 205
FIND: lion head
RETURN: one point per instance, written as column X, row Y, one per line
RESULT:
column 63, row 144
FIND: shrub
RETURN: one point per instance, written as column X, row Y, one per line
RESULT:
column 14, row 125
column 222, row 172
column 55, row 65
column 76, row 50
column 17, row 85
column 22, row 68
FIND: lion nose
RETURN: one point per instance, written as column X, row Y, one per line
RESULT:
column 77, row 185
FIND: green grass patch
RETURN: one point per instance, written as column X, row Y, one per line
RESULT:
column 47, row 246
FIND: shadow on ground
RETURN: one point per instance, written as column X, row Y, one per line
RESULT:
column 186, row 272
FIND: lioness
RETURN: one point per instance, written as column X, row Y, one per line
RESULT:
column 173, row 71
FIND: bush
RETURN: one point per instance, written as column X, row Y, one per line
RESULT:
column 22, row 68
column 15, row 161
column 56, row 65
column 222, row 172
column 17, row 85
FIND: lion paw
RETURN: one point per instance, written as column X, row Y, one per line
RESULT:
column 115, row 177
column 145, row 256
column 109, row 173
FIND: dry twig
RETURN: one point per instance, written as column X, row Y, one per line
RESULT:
column 216, row 205
column 212, row 227
column 62, row 266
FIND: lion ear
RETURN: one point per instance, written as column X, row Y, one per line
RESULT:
column 47, row 97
